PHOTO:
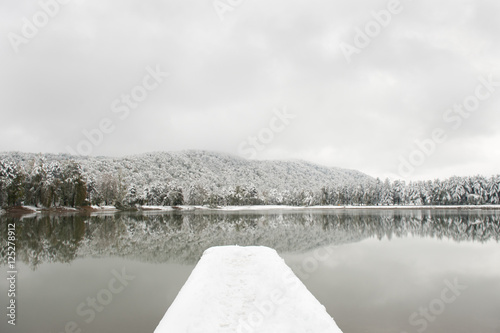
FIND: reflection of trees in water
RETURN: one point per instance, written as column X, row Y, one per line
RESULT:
column 184, row 237
column 44, row 239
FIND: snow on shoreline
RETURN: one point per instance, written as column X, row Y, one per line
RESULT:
column 97, row 209
column 152, row 209
column 354, row 207
column 241, row 290
column 33, row 210
column 306, row 208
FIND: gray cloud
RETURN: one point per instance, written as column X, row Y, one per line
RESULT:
column 226, row 77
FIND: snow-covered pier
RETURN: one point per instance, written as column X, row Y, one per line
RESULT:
column 243, row 290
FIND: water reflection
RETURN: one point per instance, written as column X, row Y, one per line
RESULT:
column 182, row 237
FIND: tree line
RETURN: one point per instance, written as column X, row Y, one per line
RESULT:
column 65, row 183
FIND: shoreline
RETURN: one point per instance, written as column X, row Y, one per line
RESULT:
column 31, row 210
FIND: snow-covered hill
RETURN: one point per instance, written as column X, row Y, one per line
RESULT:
column 212, row 171
column 216, row 179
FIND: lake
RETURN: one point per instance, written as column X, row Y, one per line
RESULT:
column 374, row 270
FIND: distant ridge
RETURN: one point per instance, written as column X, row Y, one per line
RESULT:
column 211, row 170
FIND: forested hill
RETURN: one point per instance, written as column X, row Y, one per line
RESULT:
column 199, row 171
column 203, row 178
column 208, row 169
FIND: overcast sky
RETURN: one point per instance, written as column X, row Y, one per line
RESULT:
column 354, row 100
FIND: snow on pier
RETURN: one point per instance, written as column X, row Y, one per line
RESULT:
column 244, row 290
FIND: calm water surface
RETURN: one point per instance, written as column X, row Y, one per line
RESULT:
column 375, row 271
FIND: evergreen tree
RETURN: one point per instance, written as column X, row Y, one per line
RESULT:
column 15, row 187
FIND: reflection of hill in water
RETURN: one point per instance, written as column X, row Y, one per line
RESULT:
column 184, row 237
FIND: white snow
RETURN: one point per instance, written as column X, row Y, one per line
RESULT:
column 104, row 207
column 243, row 290
column 146, row 208
column 155, row 207
column 285, row 207
column 33, row 208
column 67, row 208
